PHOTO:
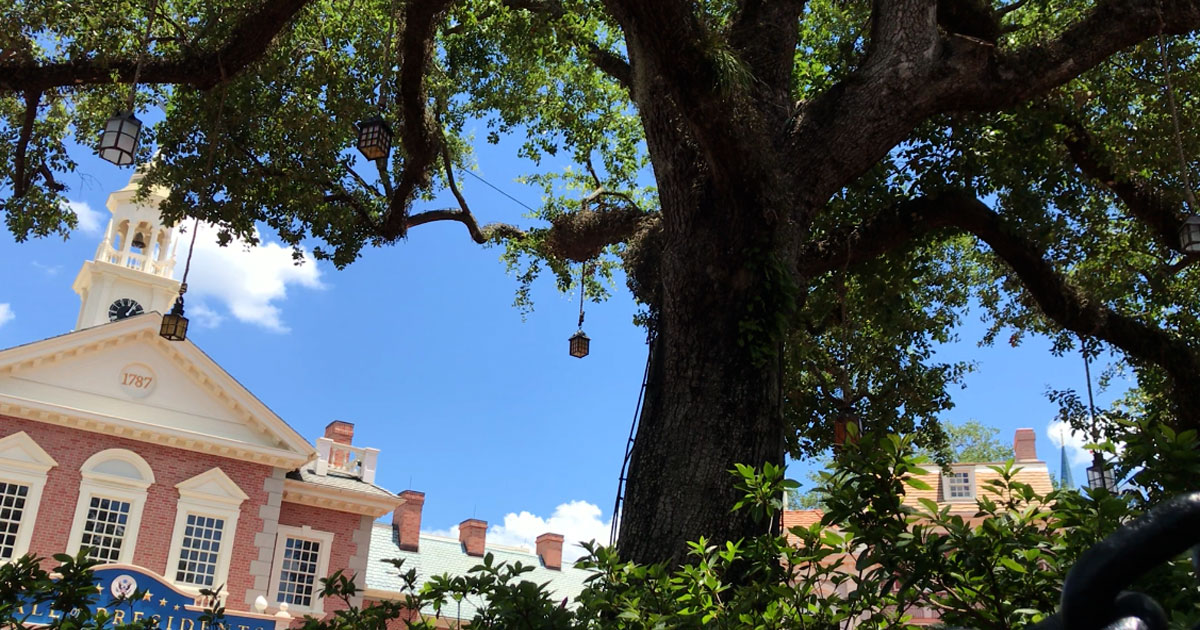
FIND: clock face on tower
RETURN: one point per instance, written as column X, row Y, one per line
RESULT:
column 123, row 308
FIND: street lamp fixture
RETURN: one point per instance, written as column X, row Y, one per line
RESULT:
column 374, row 138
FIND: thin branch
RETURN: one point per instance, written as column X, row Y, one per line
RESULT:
column 606, row 61
column 1139, row 197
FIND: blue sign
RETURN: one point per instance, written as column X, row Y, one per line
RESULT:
column 174, row 609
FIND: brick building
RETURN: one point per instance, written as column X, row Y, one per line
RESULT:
column 148, row 454
column 959, row 490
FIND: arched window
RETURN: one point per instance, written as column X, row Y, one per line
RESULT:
column 205, row 525
column 23, row 468
column 112, row 494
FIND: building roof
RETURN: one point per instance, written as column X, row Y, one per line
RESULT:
column 439, row 555
column 340, row 481
column 187, row 401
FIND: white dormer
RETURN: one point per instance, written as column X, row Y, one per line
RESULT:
column 131, row 273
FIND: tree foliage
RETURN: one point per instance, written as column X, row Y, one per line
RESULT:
column 835, row 184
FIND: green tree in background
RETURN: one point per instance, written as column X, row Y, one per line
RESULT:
column 833, row 182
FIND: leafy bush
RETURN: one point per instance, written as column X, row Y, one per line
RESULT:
column 867, row 564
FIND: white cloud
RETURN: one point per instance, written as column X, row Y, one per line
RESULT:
column 205, row 316
column 1059, row 432
column 248, row 281
column 49, row 270
column 91, row 221
column 6, row 313
column 577, row 521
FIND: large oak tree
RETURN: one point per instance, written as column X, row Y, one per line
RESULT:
column 833, row 180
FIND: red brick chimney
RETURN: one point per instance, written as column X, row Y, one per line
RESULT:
column 472, row 533
column 340, row 432
column 549, row 548
column 406, row 520
column 1025, row 445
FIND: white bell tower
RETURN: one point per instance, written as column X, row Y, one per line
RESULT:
column 131, row 274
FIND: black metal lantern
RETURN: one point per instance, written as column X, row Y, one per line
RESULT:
column 118, row 143
column 579, row 344
column 374, row 138
column 174, row 324
column 1189, row 235
column 1099, row 475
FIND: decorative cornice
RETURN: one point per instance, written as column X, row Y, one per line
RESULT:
column 219, row 384
column 342, row 500
column 120, row 427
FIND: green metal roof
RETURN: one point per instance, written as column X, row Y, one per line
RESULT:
column 438, row 555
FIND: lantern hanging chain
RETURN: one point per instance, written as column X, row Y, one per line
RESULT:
column 141, row 60
column 582, row 290
column 1087, row 372
column 187, row 265
column 1188, row 194
column 212, row 151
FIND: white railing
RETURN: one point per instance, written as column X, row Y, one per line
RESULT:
column 346, row 459
column 137, row 262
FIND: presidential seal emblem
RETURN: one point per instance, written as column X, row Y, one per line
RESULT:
column 123, row 585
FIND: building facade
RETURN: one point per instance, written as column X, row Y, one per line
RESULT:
column 147, row 454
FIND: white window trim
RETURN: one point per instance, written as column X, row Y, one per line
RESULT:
column 24, row 462
column 326, row 540
column 106, row 486
column 211, row 494
column 970, row 470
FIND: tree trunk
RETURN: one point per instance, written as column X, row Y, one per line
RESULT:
column 713, row 399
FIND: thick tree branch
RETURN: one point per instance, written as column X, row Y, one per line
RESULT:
column 764, row 32
column 969, row 74
column 1059, row 300
column 419, row 133
column 21, row 181
column 247, row 44
column 1111, row 26
column 1139, row 197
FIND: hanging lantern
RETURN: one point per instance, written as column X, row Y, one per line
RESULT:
column 579, row 344
column 118, row 143
column 374, row 138
column 139, row 241
column 174, row 324
column 1189, row 235
column 1100, row 475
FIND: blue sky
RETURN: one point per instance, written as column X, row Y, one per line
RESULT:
column 419, row 346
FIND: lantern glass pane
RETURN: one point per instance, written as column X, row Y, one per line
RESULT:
column 374, row 139
column 119, row 140
column 579, row 344
column 174, row 327
column 1189, row 235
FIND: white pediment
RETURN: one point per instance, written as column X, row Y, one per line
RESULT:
column 213, row 485
column 21, row 451
column 123, row 378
